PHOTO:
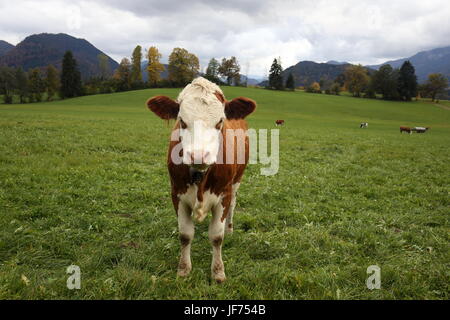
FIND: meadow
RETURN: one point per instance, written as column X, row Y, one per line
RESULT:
column 84, row 182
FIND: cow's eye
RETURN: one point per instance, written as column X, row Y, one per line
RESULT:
column 183, row 124
column 219, row 124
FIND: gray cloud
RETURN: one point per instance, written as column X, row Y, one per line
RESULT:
column 253, row 31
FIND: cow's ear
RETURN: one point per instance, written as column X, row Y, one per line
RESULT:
column 164, row 107
column 239, row 108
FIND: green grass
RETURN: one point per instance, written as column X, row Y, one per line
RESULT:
column 84, row 182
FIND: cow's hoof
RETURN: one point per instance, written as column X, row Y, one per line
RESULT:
column 219, row 277
column 228, row 230
column 184, row 270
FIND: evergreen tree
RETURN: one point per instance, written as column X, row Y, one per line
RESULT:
column 104, row 66
column 136, row 59
column 407, row 81
column 21, row 84
column 275, row 76
column 51, row 82
column 385, row 82
column 70, row 77
column 7, row 84
column 290, row 82
column 36, row 85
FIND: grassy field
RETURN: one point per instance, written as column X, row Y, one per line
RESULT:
column 84, row 182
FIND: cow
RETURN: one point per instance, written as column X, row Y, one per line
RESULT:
column 405, row 129
column 279, row 123
column 420, row 129
column 363, row 125
column 201, row 181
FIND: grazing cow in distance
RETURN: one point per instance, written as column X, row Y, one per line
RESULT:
column 420, row 129
column 363, row 125
column 205, row 167
column 279, row 123
column 405, row 129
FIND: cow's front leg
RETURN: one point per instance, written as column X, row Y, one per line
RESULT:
column 216, row 236
column 186, row 228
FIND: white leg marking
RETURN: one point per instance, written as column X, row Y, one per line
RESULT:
column 187, row 230
column 229, row 220
column 216, row 235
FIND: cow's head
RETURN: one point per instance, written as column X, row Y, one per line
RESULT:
column 201, row 110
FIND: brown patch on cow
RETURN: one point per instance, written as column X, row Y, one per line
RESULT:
column 164, row 107
column 217, row 242
column 230, row 226
column 185, row 240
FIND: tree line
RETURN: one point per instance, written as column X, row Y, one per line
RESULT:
column 388, row 83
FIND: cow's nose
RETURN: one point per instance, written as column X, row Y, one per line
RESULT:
column 198, row 157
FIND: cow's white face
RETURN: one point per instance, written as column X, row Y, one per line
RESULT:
column 201, row 122
column 201, row 110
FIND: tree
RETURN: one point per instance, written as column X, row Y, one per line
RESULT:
column 356, row 79
column 7, row 84
column 336, row 88
column 436, row 85
column 290, row 82
column 229, row 68
column 183, row 67
column 123, row 75
column 36, row 85
column 136, row 59
column 385, row 82
column 212, row 71
column 314, row 88
column 154, row 67
column 21, row 84
column 51, row 82
column 70, row 77
column 104, row 66
column 275, row 76
column 407, row 81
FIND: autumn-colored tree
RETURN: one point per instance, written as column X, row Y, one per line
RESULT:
column 356, row 79
column 136, row 59
column 183, row 66
column 154, row 67
column 229, row 68
column 314, row 88
column 51, row 82
column 123, row 75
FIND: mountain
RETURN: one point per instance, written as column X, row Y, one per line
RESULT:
column 5, row 47
column 336, row 62
column 425, row 62
column 307, row 72
column 40, row 50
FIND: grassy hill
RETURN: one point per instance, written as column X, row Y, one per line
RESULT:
column 84, row 182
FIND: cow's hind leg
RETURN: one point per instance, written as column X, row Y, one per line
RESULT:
column 216, row 235
column 229, row 221
column 186, row 228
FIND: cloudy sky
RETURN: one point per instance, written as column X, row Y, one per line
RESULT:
column 255, row 31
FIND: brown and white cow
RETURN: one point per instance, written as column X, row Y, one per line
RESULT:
column 201, row 175
column 279, row 123
column 405, row 129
